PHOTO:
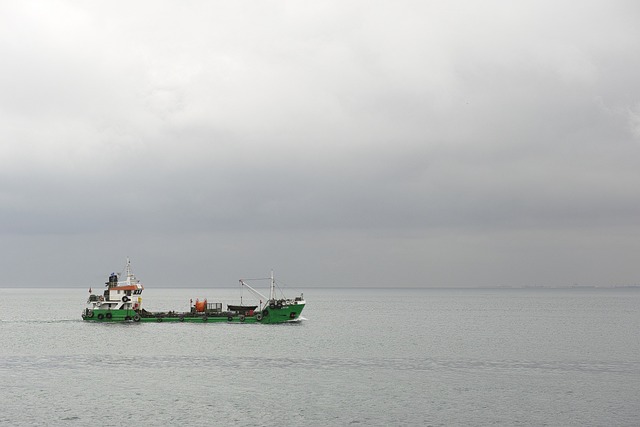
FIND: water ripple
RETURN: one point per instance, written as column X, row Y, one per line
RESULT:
column 317, row 363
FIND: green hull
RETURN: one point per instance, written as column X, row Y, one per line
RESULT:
column 268, row 316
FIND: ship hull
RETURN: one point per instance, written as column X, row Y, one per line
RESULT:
column 268, row 315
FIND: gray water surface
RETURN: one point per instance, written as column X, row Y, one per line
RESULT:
column 380, row 357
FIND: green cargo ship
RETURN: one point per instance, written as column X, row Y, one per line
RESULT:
column 121, row 301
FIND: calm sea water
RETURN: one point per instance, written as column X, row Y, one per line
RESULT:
column 434, row 357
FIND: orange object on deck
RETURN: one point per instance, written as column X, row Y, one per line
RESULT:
column 201, row 305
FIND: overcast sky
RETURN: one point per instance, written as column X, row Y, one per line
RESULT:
column 341, row 143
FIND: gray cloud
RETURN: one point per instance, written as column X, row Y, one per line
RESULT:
column 353, row 143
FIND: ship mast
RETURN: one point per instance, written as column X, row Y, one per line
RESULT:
column 129, row 273
column 272, row 292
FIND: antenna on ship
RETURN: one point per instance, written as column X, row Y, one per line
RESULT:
column 272, row 292
column 128, row 272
